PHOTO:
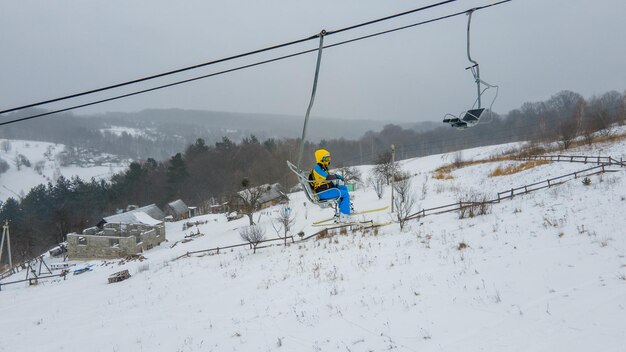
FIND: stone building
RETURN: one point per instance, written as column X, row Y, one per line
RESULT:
column 114, row 240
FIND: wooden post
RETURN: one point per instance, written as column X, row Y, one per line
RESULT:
column 511, row 193
column 6, row 235
column 549, row 183
column 393, row 168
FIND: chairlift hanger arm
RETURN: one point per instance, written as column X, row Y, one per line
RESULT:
column 314, row 90
column 475, row 67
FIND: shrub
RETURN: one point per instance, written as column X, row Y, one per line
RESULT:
column 4, row 166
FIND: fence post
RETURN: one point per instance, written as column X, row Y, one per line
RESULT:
column 218, row 250
column 511, row 193
column 558, row 157
column 526, row 189
column 585, row 160
column 549, row 183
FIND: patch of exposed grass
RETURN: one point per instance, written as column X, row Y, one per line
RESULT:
column 443, row 175
column 513, row 169
column 445, row 172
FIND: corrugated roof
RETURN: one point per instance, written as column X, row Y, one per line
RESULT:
column 151, row 211
column 274, row 192
column 179, row 207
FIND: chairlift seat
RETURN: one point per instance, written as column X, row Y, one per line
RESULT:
column 308, row 190
column 472, row 116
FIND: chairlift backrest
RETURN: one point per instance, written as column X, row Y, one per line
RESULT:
column 308, row 190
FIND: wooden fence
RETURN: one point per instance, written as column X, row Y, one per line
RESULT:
column 551, row 182
column 509, row 194
column 606, row 160
column 217, row 249
column 34, row 280
column 322, row 232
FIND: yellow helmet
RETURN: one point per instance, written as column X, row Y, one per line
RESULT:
column 322, row 156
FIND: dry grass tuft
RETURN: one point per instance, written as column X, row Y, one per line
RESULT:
column 443, row 175
column 445, row 172
column 513, row 169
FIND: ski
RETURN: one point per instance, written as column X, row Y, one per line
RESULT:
column 355, row 213
column 368, row 223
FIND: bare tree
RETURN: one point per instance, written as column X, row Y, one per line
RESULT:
column 18, row 161
column 404, row 200
column 385, row 167
column 567, row 133
column 377, row 182
column 350, row 173
column 247, row 200
column 5, row 146
column 252, row 234
column 284, row 220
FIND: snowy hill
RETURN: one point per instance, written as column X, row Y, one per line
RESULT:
column 45, row 166
column 541, row 272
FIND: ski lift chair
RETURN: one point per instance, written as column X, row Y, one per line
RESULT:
column 470, row 117
column 303, row 180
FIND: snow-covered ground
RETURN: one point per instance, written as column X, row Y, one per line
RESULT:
column 542, row 272
column 43, row 156
column 135, row 132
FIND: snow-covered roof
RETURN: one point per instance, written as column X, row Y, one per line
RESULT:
column 272, row 192
column 150, row 211
column 179, row 207
column 145, row 218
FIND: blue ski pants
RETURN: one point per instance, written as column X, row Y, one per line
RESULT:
column 340, row 192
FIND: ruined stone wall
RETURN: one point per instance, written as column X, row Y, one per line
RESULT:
column 114, row 241
column 100, row 247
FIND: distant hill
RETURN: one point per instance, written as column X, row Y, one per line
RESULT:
column 238, row 125
column 160, row 133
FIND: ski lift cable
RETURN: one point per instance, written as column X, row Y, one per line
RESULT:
column 238, row 68
column 238, row 56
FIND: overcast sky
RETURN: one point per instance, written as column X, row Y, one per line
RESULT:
column 530, row 48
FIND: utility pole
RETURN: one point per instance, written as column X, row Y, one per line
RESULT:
column 5, row 234
column 393, row 168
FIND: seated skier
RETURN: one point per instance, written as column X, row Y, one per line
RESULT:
column 322, row 183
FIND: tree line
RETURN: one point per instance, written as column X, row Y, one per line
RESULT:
column 204, row 174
